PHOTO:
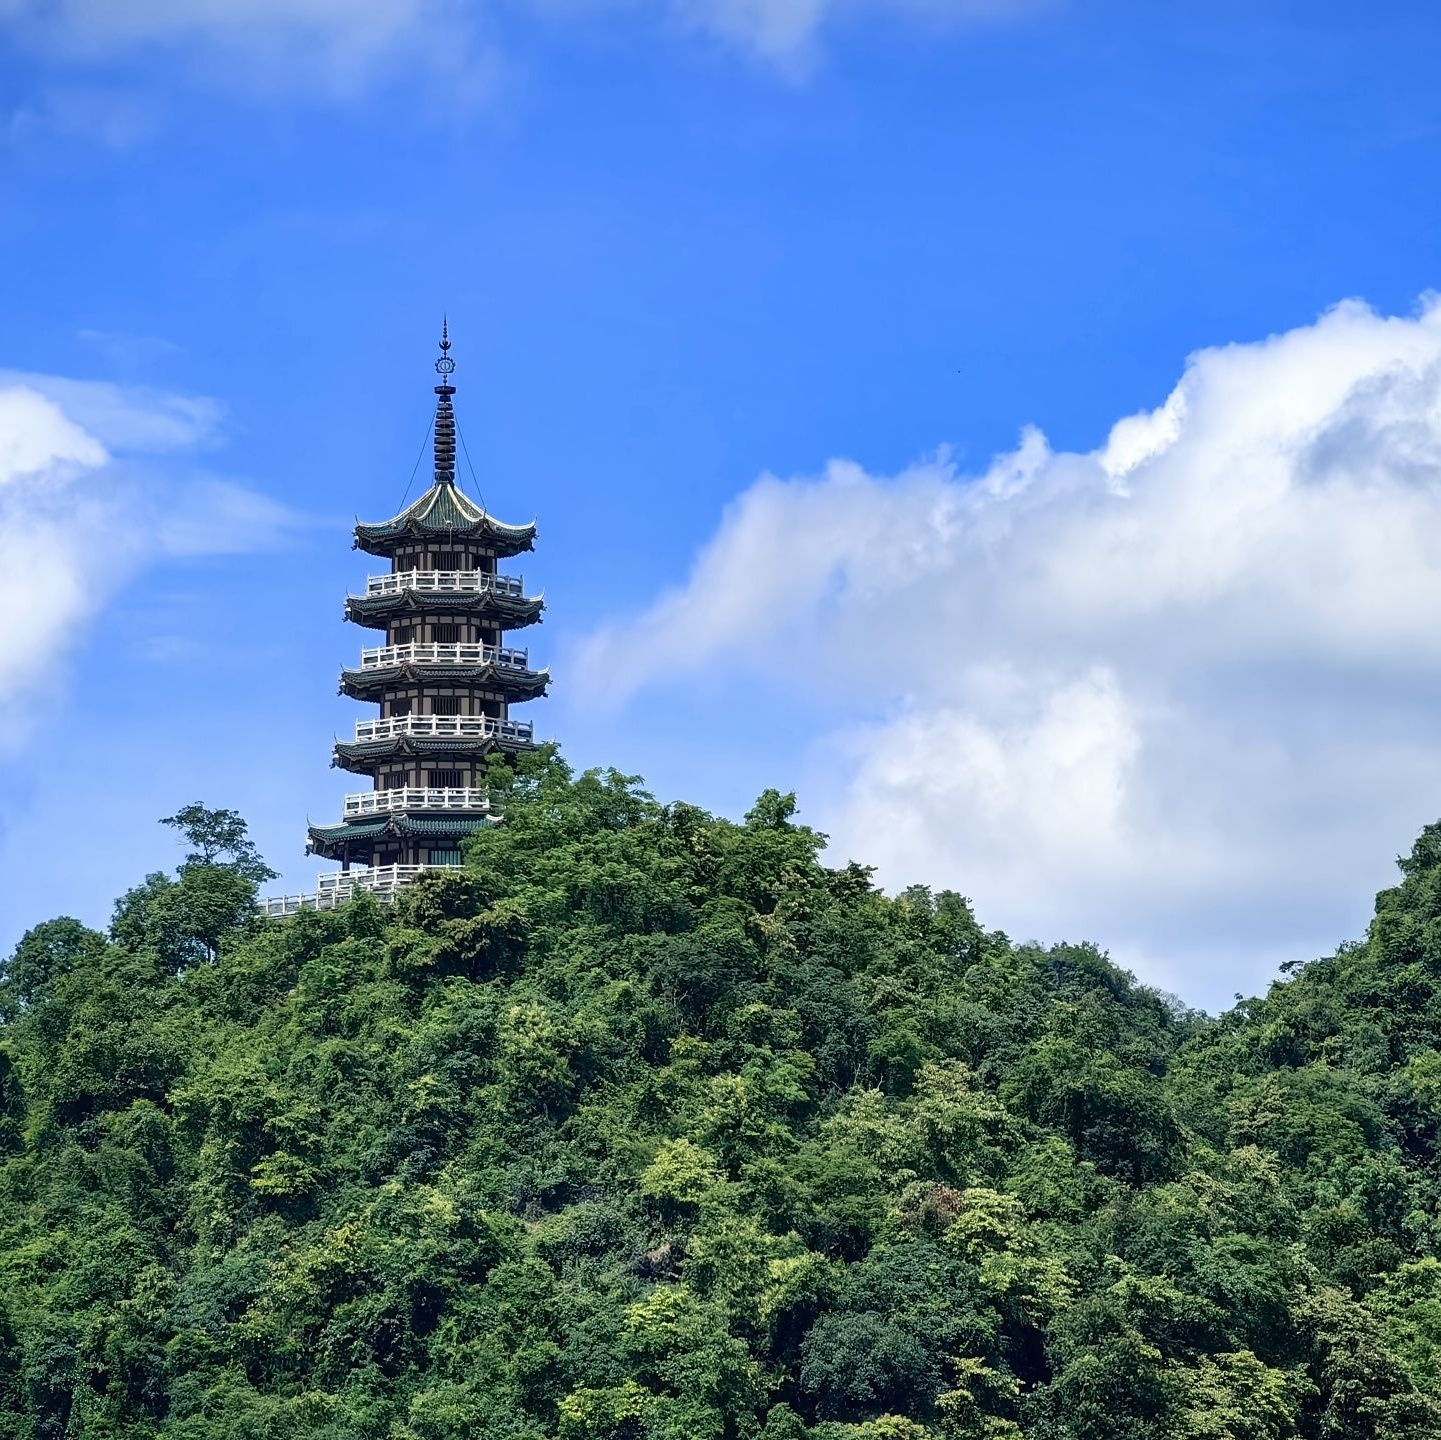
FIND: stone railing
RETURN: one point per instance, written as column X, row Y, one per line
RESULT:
column 413, row 797
column 336, row 888
column 444, row 727
column 445, row 582
column 383, row 657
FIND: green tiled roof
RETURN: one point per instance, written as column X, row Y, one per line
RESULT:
column 417, row 825
column 512, row 612
column 360, row 755
column 443, row 511
column 359, row 684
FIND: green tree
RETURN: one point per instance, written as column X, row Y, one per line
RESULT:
column 219, row 838
column 648, row 1125
column 186, row 920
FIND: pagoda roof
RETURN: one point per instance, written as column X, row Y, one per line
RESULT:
column 377, row 610
column 360, row 756
column 444, row 512
column 514, row 684
column 331, row 839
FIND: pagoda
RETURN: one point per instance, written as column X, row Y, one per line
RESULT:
column 443, row 678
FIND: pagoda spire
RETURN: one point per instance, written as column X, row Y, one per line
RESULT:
column 444, row 412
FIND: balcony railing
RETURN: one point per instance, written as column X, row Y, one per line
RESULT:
column 387, row 802
column 381, row 657
column 445, row 582
column 336, row 888
column 444, row 727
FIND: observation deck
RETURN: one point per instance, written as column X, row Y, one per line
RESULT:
column 444, row 582
column 407, row 799
column 499, row 668
column 429, row 735
column 383, row 882
column 419, row 652
column 390, row 598
column 444, row 727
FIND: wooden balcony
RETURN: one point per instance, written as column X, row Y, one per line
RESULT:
column 384, row 657
column 444, row 727
column 445, row 582
column 382, row 881
column 410, row 797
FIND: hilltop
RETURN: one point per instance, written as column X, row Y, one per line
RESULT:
column 648, row 1126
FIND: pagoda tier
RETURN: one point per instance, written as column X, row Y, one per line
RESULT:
column 415, row 606
column 396, row 839
column 444, row 516
column 492, row 676
column 428, row 740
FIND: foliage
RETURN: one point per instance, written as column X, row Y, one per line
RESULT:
column 648, row 1126
column 219, row 837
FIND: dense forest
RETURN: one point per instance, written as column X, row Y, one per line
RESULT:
column 648, row 1126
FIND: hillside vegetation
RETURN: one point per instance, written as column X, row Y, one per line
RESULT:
column 647, row 1126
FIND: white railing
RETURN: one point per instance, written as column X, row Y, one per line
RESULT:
column 336, row 888
column 445, row 582
column 386, row 802
column 381, row 657
column 443, row 727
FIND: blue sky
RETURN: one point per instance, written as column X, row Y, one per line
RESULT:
column 687, row 245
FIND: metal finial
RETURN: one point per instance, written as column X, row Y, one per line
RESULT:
column 445, row 366
column 444, row 413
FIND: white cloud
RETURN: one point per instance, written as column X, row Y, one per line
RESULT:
column 36, row 437
column 785, row 31
column 772, row 29
column 322, row 49
column 329, row 49
column 1178, row 694
column 129, row 419
column 81, row 512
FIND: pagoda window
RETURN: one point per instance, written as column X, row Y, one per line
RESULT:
column 447, row 779
column 402, row 635
column 443, row 857
column 452, row 560
column 446, row 705
column 399, row 707
column 450, row 634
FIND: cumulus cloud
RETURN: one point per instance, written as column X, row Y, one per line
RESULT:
column 1177, row 694
column 89, row 495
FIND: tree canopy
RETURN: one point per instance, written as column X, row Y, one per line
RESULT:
column 647, row 1125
